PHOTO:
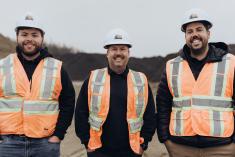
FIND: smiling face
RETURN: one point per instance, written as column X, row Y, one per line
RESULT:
column 118, row 57
column 197, row 36
column 30, row 41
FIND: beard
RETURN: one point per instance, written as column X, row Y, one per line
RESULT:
column 35, row 51
column 197, row 51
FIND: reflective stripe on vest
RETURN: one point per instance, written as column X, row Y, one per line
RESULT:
column 176, row 69
column 98, row 101
column 10, row 105
column 139, row 85
column 215, row 103
column 49, row 77
column 97, row 87
column 204, row 102
column 41, row 107
column 8, row 82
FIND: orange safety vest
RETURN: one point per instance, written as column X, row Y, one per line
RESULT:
column 29, row 107
column 98, row 101
column 203, row 106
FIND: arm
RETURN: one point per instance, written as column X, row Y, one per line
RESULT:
column 66, row 105
column 149, row 126
column 82, row 126
column 233, row 136
column 164, row 107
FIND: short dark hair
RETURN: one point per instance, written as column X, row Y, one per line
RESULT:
column 22, row 28
column 206, row 24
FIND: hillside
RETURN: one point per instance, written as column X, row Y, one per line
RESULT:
column 78, row 64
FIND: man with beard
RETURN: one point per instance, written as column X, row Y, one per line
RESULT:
column 195, row 97
column 115, row 110
column 37, row 97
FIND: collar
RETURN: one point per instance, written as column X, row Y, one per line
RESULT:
column 43, row 54
column 123, row 74
column 215, row 53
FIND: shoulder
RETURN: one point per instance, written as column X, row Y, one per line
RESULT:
column 8, row 57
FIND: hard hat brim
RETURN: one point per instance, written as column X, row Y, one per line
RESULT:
column 205, row 22
column 106, row 46
column 27, row 27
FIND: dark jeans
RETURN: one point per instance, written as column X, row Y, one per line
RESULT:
column 102, row 153
column 21, row 146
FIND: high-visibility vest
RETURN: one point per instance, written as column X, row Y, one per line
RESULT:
column 203, row 106
column 29, row 107
column 98, row 101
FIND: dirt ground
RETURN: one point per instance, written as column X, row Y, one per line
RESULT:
column 71, row 146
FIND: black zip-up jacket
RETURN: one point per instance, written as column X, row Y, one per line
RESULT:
column 115, row 129
column 164, row 100
column 67, row 95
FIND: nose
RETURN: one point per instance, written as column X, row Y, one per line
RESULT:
column 194, row 34
column 118, row 51
column 29, row 38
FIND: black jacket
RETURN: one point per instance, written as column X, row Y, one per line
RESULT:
column 164, row 100
column 67, row 95
column 115, row 129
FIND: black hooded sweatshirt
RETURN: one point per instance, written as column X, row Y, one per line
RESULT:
column 115, row 138
column 164, row 100
column 67, row 95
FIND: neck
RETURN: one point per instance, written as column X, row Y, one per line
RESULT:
column 202, row 55
column 30, row 58
column 118, row 70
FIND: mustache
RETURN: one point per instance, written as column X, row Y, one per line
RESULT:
column 118, row 56
column 29, row 42
column 195, row 37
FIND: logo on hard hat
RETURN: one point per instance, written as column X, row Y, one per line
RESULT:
column 118, row 36
column 193, row 16
column 28, row 17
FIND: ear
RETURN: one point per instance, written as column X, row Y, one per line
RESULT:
column 107, row 53
column 209, row 34
column 185, row 35
column 42, row 39
column 17, row 37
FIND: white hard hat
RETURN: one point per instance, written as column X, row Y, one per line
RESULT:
column 29, row 21
column 117, row 37
column 195, row 15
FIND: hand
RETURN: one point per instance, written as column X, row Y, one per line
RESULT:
column 141, row 151
column 167, row 142
column 54, row 139
column 90, row 150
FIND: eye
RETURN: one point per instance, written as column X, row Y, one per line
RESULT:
column 35, row 35
column 113, row 49
column 189, row 32
column 23, row 34
column 200, row 30
column 123, row 49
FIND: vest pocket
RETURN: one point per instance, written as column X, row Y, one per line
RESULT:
column 180, row 114
column 180, row 119
column 217, row 123
column 10, row 123
column 39, row 125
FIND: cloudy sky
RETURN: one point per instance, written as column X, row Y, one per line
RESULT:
column 154, row 25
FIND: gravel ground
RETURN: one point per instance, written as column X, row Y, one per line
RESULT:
column 71, row 147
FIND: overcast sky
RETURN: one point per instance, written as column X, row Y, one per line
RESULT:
column 154, row 25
